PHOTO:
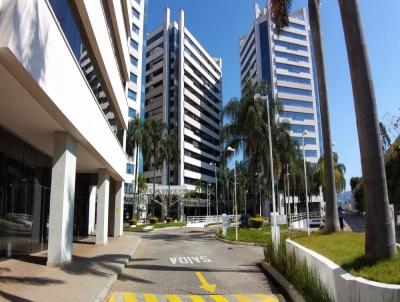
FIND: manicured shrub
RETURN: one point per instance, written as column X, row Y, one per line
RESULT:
column 256, row 222
column 132, row 222
column 168, row 219
column 153, row 220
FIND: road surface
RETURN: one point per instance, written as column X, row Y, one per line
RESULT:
column 190, row 265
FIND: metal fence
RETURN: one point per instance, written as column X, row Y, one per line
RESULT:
column 208, row 219
column 315, row 217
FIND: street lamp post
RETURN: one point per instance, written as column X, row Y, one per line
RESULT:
column 275, row 231
column 305, row 132
column 230, row 149
column 208, row 199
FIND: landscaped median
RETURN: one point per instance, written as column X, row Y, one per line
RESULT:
column 327, row 267
column 339, row 261
column 151, row 227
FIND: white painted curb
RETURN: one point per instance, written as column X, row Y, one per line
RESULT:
column 344, row 286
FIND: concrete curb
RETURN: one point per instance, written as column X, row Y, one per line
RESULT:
column 293, row 293
column 239, row 242
column 102, row 296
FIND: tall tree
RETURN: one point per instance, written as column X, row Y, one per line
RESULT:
column 171, row 155
column 134, row 141
column 153, row 134
column 332, row 219
column 338, row 170
column 380, row 238
column 385, row 138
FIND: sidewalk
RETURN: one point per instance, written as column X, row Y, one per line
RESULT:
column 88, row 278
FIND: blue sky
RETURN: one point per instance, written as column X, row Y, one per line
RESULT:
column 218, row 24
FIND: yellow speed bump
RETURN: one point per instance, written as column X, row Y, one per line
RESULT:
column 136, row 297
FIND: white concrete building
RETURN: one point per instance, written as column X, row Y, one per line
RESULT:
column 134, row 91
column 64, row 73
column 285, row 61
column 183, row 89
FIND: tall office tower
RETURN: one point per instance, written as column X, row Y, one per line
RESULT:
column 134, row 85
column 183, row 90
column 64, row 68
column 285, row 61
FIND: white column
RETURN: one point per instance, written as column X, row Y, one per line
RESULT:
column 92, row 209
column 62, row 198
column 181, row 98
column 103, row 195
column 119, row 209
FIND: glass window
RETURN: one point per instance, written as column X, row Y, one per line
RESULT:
column 133, row 77
column 130, row 168
column 292, row 79
column 137, row 1
column 135, row 13
column 307, row 140
column 292, row 35
column 134, row 44
column 293, row 68
column 132, row 112
column 296, row 103
column 135, row 29
column 131, row 94
column 291, row 90
column 128, row 188
column 134, row 61
column 311, row 153
column 298, row 116
column 300, row 128
column 297, row 26
column 290, row 46
column 291, row 57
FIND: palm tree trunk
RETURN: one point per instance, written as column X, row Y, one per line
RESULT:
column 380, row 239
column 331, row 220
column 136, row 170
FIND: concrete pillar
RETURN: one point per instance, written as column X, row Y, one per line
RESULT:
column 103, row 195
column 119, row 209
column 92, row 209
column 62, row 198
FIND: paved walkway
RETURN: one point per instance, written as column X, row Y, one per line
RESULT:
column 92, row 273
column 356, row 223
column 190, row 265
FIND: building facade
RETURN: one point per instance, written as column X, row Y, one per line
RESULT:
column 286, row 62
column 134, row 89
column 184, row 91
column 65, row 73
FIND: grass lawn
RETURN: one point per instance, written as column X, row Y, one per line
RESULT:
column 347, row 250
column 139, row 228
column 262, row 235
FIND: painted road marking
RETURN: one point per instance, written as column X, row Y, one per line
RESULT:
column 219, row 298
column 130, row 297
column 204, row 284
column 190, row 260
column 150, row 298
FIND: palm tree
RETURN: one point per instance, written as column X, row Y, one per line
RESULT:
column 134, row 141
column 332, row 220
column 152, row 136
column 380, row 238
column 339, row 171
column 171, row 155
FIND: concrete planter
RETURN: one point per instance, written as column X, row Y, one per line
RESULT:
column 344, row 286
column 239, row 242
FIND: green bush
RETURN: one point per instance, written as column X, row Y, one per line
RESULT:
column 256, row 222
column 132, row 222
column 168, row 219
column 298, row 273
column 153, row 220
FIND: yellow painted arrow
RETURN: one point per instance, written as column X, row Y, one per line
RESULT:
column 204, row 284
